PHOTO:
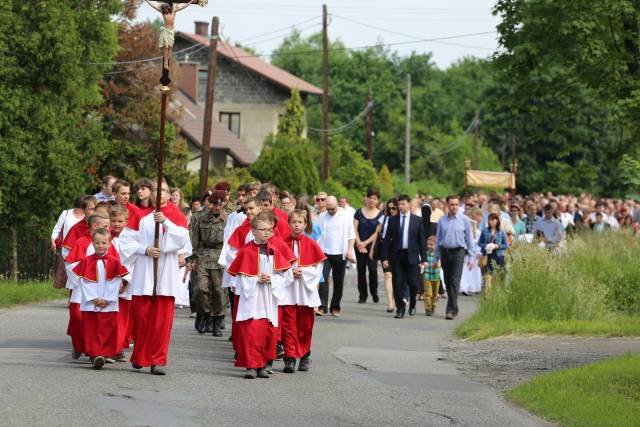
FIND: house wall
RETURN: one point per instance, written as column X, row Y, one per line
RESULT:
column 238, row 90
column 217, row 158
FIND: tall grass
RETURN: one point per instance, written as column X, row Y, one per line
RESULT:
column 594, row 281
column 15, row 293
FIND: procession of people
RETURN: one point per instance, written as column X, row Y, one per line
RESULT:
column 260, row 262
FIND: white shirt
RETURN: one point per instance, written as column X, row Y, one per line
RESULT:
column 349, row 211
column 104, row 289
column 66, row 220
column 405, row 231
column 336, row 231
column 174, row 240
column 260, row 301
column 303, row 290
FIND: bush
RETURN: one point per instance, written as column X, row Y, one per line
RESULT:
column 425, row 186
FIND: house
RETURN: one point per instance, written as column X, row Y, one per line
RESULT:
column 250, row 96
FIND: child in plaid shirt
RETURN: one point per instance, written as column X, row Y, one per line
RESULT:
column 431, row 278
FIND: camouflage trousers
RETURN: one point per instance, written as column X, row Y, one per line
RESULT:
column 208, row 294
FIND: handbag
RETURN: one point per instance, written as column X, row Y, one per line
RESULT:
column 378, row 242
column 484, row 259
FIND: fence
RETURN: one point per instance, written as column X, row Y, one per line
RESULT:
column 35, row 259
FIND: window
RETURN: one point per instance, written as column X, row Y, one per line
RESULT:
column 231, row 121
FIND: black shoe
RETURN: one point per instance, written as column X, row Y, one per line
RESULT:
column 289, row 365
column 390, row 310
column 230, row 337
column 375, row 298
column 209, row 323
column 98, row 362
column 75, row 355
column 399, row 314
column 250, row 374
column 134, row 366
column 412, row 311
column 279, row 351
column 221, row 324
column 120, row 357
column 157, row 370
column 198, row 321
column 262, row 373
column 362, row 301
column 215, row 327
column 204, row 320
column 428, row 313
column 305, row 362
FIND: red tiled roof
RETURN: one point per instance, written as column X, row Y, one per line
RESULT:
column 191, row 124
column 277, row 75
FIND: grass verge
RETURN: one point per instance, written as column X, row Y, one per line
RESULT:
column 592, row 287
column 605, row 393
column 12, row 293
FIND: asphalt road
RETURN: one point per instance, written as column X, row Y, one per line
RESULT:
column 368, row 369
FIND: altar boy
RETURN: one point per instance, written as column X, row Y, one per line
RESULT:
column 259, row 269
column 101, row 279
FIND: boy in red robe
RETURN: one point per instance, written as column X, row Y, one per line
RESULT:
column 301, row 297
column 101, row 279
column 260, row 272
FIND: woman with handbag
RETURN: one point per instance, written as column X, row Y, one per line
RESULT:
column 391, row 209
column 493, row 243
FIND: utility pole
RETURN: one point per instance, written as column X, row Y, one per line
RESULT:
column 476, row 128
column 325, row 96
column 208, row 109
column 407, row 137
column 370, row 126
column 513, row 148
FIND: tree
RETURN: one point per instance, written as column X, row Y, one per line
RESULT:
column 50, row 132
column 386, row 182
column 292, row 122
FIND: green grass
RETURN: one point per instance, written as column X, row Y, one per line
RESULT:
column 601, row 394
column 12, row 293
column 590, row 288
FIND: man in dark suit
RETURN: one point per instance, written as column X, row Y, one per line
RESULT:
column 404, row 248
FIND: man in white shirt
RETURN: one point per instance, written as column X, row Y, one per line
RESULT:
column 106, row 193
column 337, row 239
column 346, row 207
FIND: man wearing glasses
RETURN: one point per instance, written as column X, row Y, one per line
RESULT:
column 320, row 202
column 336, row 241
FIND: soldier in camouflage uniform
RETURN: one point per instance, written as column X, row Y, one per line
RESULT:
column 207, row 238
column 204, row 200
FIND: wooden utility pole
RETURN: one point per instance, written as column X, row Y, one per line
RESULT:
column 208, row 109
column 325, row 95
column 370, row 126
column 476, row 128
column 407, row 136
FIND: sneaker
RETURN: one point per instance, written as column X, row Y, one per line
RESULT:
column 289, row 365
column 304, row 364
column 269, row 367
column 109, row 360
column 250, row 374
column 97, row 363
column 75, row 355
column 157, row 370
column 262, row 373
column 120, row 357
column 279, row 351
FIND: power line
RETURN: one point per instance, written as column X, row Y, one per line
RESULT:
column 347, row 125
column 201, row 47
column 150, row 59
column 289, row 27
column 279, row 36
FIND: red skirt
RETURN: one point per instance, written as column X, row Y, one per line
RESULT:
column 296, row 324
column 151, row 329
column 255, row 343
column 74, row 328
column 124, row 323
column 100, row 333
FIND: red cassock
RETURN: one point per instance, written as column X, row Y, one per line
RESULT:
column 296, row 321
column 153, row 320
column 74, row 327
column 100, row 329
column 254, row 339
column 143, row 210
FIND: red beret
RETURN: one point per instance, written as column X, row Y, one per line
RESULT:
column 224, row 186
column 217, row 196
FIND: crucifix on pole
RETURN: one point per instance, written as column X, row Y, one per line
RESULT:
column 168, row 9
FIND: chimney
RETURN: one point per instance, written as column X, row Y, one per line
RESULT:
column 202, row 28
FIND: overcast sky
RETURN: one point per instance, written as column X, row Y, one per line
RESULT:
column 401, row 23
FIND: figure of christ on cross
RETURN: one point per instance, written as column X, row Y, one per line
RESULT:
column 168, row 10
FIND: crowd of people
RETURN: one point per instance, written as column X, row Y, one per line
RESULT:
column 269, row 259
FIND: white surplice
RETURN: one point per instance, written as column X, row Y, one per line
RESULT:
column 174, row 240
column 303, row 290
column 105, row 289
column 257, row 300
column 227, row 255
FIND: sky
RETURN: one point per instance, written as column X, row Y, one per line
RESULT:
column 403, row 24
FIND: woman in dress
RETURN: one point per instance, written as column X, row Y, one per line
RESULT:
column 391, row 209
column 365, row 224
column 471, row 281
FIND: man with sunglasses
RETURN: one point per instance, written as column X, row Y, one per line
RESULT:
column 207, row 239
column 320, row 202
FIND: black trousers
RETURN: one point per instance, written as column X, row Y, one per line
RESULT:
column 363, row 263
column 405, row 279
column 336, row 265
column 452, row 261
